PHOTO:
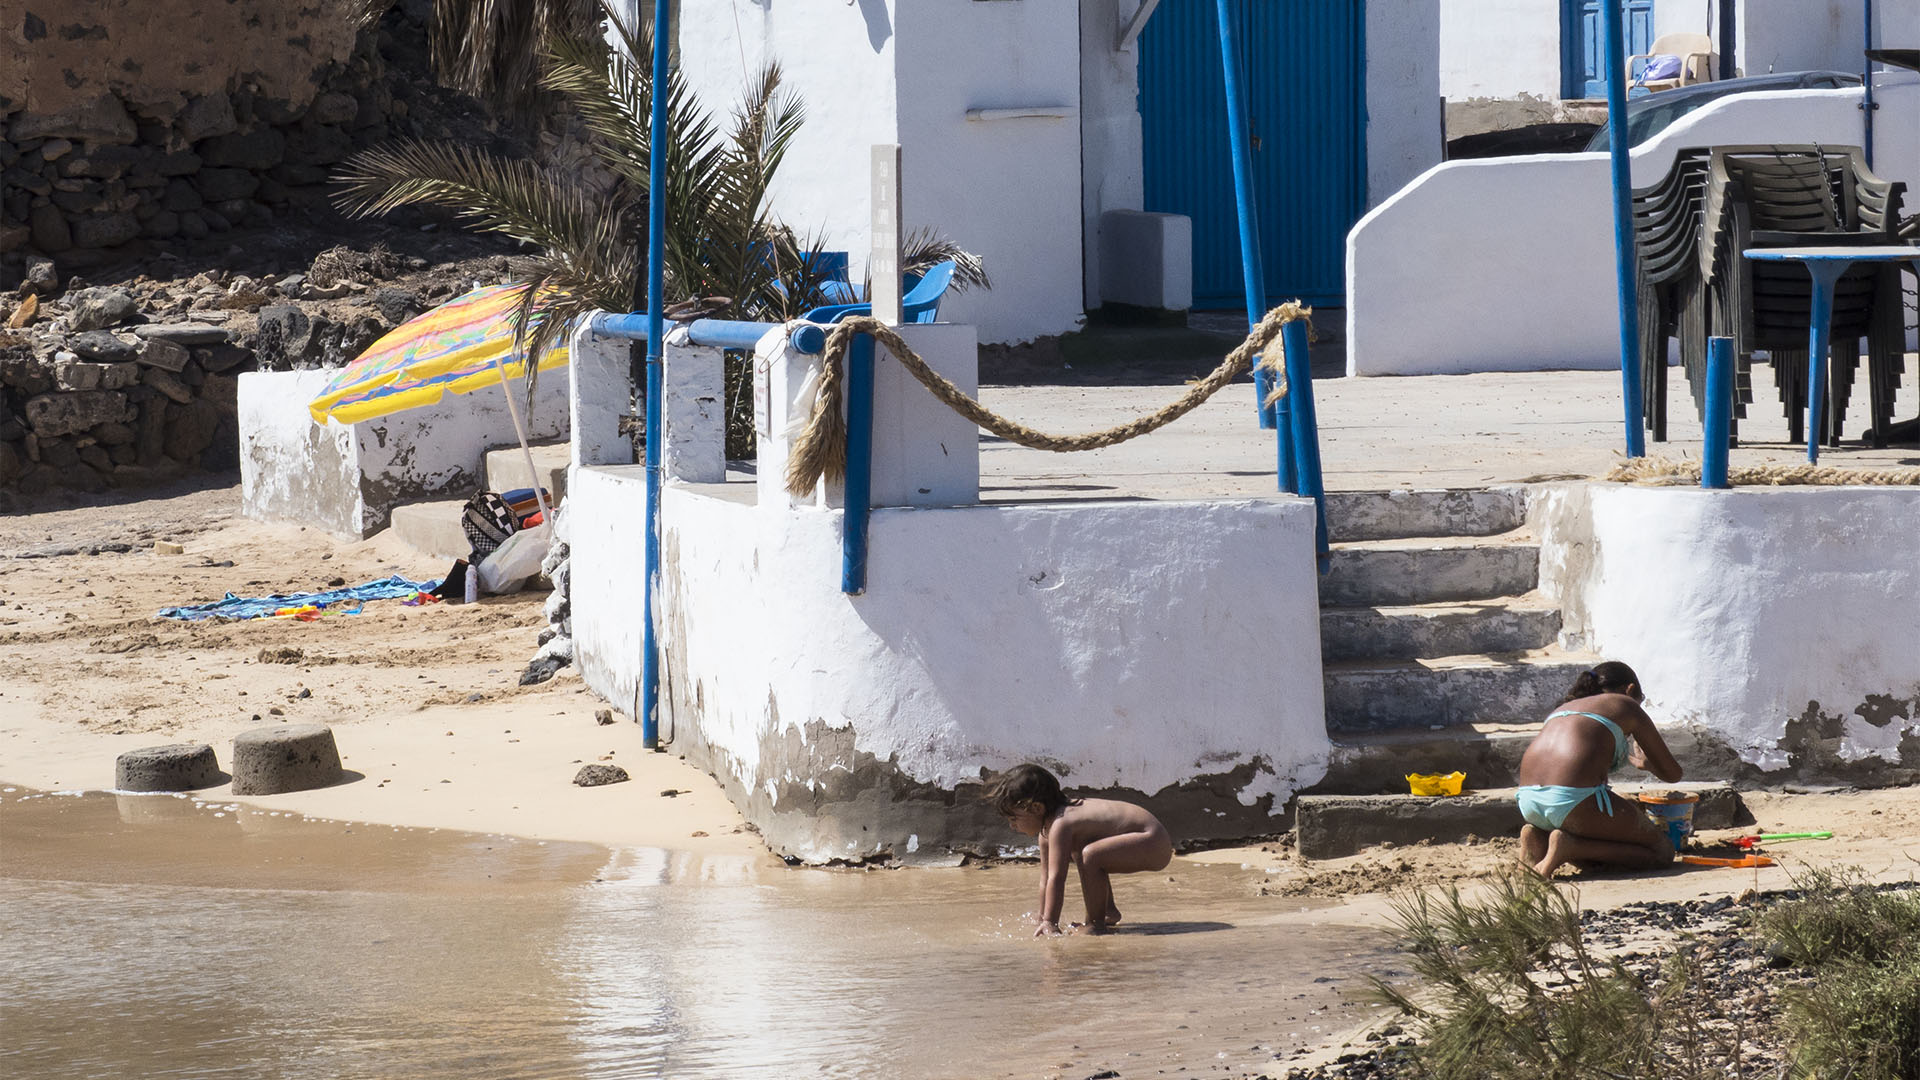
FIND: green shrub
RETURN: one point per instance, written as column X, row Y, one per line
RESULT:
column 1860, row 1017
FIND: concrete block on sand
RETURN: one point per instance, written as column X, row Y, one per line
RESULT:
column 284, row 757
column 174, row 767
column 433, row 528
column 1333, row 826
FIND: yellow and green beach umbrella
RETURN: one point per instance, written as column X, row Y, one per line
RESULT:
column 463, row 345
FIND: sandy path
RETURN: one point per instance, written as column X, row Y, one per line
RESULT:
column 424, row 701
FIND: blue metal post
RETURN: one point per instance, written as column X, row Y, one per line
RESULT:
column 1623, row 241
column 1825, row 272
column 1719, row 418
column 656, row 331
column 1305, row 431
column 1251, row 270
column 1867, row 104
column 859, row 483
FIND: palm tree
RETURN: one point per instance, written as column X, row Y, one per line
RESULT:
column 721, row 239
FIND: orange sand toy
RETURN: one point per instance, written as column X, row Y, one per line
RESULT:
column 1744, row 860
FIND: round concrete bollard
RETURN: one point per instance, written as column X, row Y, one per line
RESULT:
column 285, row 757
column 175, row 767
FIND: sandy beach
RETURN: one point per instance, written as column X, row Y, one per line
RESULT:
column 425, row 702
column 436, row 734
column 435, row 731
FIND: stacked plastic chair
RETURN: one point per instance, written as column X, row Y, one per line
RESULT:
column 1804, row 196
column 1715, row 203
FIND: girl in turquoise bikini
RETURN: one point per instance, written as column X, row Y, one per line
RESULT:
column 1571, row 814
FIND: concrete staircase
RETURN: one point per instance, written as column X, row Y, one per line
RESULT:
column 433, row 528
column 1438, row 649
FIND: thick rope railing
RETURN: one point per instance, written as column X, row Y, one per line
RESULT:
column 1662, row 471
column 820, row 450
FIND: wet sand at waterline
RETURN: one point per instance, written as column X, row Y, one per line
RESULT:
column 165, row 936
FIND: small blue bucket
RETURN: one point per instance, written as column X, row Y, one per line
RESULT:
column 1674, row 809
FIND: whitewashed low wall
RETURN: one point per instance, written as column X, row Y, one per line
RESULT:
column 1507, row 264
column 348, row 478
column 1777, row 630
column 1167, row 651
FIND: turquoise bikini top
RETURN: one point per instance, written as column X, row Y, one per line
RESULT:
column 1619, row 737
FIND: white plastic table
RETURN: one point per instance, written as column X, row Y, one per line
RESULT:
column 1827, row 264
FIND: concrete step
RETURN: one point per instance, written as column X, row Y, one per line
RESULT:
column 1399, row 632
column 1443, row 692
column 432, row 528
column 1383, row 515
column 507, row 468
column 1378, row 763
column 1428, row 571
column 1335, row 826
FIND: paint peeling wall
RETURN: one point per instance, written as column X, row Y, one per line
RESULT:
column 1424, row 267
column 347, row 480
column 1777, row 630
column 1165, row 651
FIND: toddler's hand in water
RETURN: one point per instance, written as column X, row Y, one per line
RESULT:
column 1046, row 929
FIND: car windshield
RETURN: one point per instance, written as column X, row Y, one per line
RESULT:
column 1649, row 116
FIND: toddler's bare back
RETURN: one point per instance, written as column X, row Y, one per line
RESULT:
column 1096, row 819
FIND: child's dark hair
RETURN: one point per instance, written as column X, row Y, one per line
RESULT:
column 1026, row 784
column 1607, row 677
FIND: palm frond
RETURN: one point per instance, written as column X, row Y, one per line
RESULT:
column 489, row 193
column 492, row 48
column 924, row 248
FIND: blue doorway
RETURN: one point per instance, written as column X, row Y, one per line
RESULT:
column 1583, row 44
column 1304, row 68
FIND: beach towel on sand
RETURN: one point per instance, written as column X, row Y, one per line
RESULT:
column 242, row 607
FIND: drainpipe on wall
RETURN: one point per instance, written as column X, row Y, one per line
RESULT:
column 1867, row 104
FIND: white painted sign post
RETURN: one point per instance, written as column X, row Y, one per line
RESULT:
column 883, row 264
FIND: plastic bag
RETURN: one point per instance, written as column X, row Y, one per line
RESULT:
column 515, row 562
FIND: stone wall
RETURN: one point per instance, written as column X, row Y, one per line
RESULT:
column 119, row 409
column 128, row 125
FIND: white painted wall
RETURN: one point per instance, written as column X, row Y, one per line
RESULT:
column 1811, row 35
column 1507, row 264
column 883, row 71
column 347, row 479
column 1111, row 143
column 1506, row 49
column 1499, row 48
column 839, row 58
column 1008, row 190
column 1134, row 645
column 1739, row 608
column 607, row 528
column 1404, row 112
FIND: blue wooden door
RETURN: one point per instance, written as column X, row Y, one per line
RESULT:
column 1303, row 64
column 1583, row 56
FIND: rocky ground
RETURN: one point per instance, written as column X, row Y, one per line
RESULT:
column 130, row 381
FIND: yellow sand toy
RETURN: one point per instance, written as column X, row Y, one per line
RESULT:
column 1436, row 783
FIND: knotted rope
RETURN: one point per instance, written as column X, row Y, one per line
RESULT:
column 1650, row 470
column 821, row 448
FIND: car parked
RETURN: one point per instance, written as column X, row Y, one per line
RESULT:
column 1650, row 115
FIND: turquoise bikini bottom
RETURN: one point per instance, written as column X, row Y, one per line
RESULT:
column 1546, row 806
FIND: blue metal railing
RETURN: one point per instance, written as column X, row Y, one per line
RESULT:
column 1302, row 431
column 1718, row 423
column 1251, row 269
column 858, row 489
column 656, row 302
column 713, row 333
column 1620, row 150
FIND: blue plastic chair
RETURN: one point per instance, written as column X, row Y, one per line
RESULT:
column 921, row 304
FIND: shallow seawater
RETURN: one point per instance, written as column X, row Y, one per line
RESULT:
column 159, row 936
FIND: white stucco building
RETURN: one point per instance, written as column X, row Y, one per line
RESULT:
column 1023, row 122
column 1506, row 63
